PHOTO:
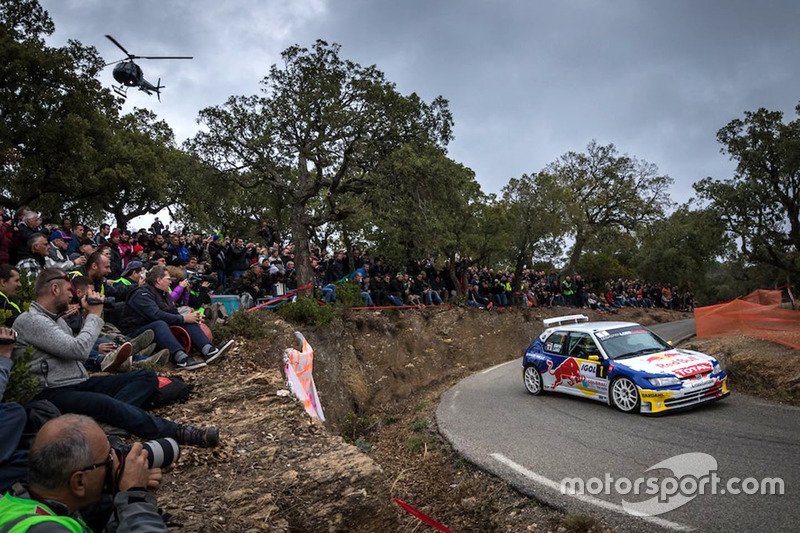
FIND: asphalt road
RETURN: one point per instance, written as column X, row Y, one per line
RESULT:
column 534, row 442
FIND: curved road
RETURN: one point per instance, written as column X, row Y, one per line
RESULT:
column 534, row 442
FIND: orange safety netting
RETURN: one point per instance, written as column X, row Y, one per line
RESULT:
column 758, row 315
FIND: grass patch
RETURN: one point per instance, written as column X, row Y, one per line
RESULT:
column 356, row 427
column 414, row 444
column 363, row 445
column 419, row 425
column 579, row 523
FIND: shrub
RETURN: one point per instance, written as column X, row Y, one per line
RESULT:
column 307, row 311
column 348, row 294
column 22, row 385
column 242, row 324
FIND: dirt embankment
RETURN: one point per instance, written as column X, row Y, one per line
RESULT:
column 379, row 377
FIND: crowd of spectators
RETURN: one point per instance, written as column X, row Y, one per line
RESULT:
column 114, row 301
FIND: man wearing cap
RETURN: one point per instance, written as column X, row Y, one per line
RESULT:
column 130, row 279
column 57, row 252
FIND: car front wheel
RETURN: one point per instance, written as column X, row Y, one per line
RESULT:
column 533, row 380
column 625, row 395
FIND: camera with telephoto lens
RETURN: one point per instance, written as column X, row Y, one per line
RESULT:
column 160, row 452
column 108, row 302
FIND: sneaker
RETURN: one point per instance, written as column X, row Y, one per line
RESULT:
column 143, row 341
column 113, row 360
column 215, row 353
column 147, row 352
column 155, row 359
column 189, row 363
column 195, row 436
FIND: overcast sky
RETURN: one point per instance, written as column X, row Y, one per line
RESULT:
column 527, row 80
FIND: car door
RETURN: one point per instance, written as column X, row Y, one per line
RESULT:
column 591, row 380
column 555, row 374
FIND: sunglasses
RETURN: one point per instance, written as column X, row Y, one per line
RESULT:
column 64, row 277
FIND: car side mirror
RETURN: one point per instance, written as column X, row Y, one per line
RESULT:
column 669, row 342
column 594, row 358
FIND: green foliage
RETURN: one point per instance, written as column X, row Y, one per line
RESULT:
column 358, row 426
column 681, row 248
column 760, row 205
column 420, row 424
column 362, row 445
column 534, row 218
column 26, row 293
column 580, row 523
column 606, row 192
column 603, row 268
column 414, row 444
column 242, row 324
column 22, row 385
column 348, row 294
column 307, row 311
column 315, row 137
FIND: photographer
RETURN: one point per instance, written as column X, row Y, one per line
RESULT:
column 71, row 465
column 57, row 361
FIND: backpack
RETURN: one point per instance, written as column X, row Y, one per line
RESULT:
column 172, row 389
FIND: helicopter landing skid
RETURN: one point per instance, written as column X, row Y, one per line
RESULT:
column 121, row 91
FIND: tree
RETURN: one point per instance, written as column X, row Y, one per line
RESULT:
column 605, row 192
column 535, row 218
column 55, row 113
column 760, row 204
column 317, row 134
column 681, row 248
column 139, row 169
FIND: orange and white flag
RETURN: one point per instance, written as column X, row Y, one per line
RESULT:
column 298, row 366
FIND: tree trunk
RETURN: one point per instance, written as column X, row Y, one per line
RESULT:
column 575, row 255
column 451, row 271
column 305, row 274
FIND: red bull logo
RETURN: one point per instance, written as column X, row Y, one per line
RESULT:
column 567, row 372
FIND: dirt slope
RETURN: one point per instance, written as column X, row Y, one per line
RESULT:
column 379, row 377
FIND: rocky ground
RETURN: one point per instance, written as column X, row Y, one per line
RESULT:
column 379, row 377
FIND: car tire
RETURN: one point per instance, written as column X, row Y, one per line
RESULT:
column 533, row 380
column 625, row 395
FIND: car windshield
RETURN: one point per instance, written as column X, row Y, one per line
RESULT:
column 630, row 341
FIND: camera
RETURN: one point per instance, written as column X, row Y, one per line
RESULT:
column 108, row 302
column 160, row 452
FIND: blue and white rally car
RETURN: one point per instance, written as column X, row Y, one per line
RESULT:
column 622, row 364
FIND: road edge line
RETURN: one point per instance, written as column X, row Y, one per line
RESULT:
column 550, row 484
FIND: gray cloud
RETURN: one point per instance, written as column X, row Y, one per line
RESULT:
column 527, row 80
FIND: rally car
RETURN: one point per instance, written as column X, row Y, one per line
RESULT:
column 622, row 364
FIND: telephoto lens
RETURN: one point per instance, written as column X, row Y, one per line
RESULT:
column 162, row 452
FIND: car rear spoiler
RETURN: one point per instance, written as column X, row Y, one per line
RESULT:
column 560, row 320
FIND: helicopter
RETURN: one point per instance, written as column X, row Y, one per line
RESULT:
column 129, row 74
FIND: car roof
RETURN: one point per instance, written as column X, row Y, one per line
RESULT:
column 593, row 327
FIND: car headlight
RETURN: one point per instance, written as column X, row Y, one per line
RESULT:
column 717, row 368
column 664, row 382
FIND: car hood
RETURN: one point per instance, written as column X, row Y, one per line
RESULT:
column 679, row 363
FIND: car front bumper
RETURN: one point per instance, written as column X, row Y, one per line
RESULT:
column 690, row 395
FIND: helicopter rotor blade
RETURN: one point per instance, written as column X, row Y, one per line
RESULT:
column 113, row 62
column 110, row 38
column 164, row 57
